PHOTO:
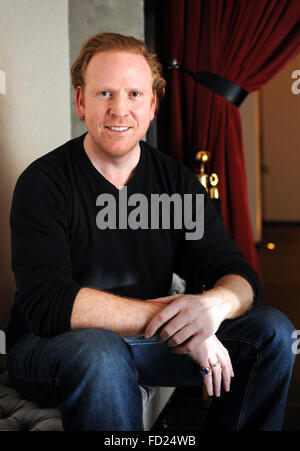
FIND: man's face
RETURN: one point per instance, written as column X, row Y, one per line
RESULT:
column 117, row 102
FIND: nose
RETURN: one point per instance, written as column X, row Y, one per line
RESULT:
column 119, row 105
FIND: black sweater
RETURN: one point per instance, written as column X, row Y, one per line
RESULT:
column 57, row 247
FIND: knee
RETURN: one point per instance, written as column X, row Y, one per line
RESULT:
column 275, row 328
column 88, row 349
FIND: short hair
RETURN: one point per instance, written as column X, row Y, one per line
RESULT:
column 105, row 42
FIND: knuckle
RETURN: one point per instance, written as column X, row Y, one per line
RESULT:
column 189, row 312
column 200, row 332
column 188, row 347
column 167, row 332
column 176, row 340
column 199, row 324
column 177, row 301
column 160, row 317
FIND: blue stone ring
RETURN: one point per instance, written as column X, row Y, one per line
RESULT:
column 204, row 370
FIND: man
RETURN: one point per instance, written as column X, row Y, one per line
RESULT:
column 92, row 317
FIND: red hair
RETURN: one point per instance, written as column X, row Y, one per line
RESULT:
column 105, row 42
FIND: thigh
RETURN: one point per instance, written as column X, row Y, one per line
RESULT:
column 257, row 328
column 39, row 366
column 30, row 368
column 157, row 365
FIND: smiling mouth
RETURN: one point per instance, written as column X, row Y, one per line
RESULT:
column 117, row 129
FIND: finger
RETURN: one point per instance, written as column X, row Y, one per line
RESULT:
column 228, row 361
column 226, row 376
column 179, row 350
column 185, row 335
column 208, row 383
column 226, row 370
column 165, row 299
column 225, row 359
column 177, row 331
column 161, row 318
column 187, row 347
column 217, row 378
column 231, row 368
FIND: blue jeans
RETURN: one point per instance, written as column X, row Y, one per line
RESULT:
column 93, row 375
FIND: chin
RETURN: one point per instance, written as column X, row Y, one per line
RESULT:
column 118, row 152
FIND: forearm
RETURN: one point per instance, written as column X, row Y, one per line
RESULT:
column 124, row 316
column 235, row 295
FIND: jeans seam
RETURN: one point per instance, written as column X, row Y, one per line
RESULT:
column 252, row 374
column 240, row 339
column 249, row 386
column 143, row 343
column 35, row 379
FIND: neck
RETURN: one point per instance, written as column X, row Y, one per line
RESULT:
column 117, row 169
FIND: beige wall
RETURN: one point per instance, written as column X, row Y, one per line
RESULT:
column 35, row 111
column 280, row 124
column 271, row 133
column 87, row 18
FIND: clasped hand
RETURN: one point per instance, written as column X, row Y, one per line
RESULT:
column 188, row 325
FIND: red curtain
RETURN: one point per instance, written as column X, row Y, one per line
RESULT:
column 246, row 42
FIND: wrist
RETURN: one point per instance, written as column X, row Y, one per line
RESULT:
column 228, row 303
column 147, row 311
column 236, row 292
column 223, row 301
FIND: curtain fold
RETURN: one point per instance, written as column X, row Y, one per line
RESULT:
column 246, row 42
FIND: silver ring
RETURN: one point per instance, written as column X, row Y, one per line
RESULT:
column 215, row 364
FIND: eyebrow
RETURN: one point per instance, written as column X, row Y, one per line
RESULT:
column 107, row 88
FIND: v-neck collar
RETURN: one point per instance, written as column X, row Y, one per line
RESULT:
column 133, row 182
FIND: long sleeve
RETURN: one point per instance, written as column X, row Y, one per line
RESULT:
column 41, row 261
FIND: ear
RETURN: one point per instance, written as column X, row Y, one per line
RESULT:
column 80, row 110
column 153, row 106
